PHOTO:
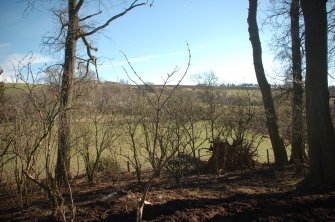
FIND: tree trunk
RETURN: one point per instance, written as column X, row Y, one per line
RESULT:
column 298, row 155
column 270, row 112
column 321, row 138
column 64, row 134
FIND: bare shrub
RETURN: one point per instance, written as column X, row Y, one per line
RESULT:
column 183, row 164
column 237, row 149
column 33, row 134
column 133, row 112
column 238, row 155
column 111, row 166
column 158, row 144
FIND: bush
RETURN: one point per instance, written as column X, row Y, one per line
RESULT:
column 238, row 155
column 109, row 165
column 181, row 165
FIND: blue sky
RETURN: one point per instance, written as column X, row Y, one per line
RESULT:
column 153, row 38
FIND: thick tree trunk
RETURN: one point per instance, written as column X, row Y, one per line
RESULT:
column 64, row 134
column 298, row 155
column 321, row 139
column 270, row 112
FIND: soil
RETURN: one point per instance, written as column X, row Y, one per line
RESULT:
column 263, row 194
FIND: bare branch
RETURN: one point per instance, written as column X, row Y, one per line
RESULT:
column 90, row 16
column 30, row 6
column 183, row 76
column 80, row 3
column 92, row 58
column 169, row 75
column 138, row 76
column 132, row 6
column 54, row 40
column 39, row 183
column 151, row 3
column 134, row 82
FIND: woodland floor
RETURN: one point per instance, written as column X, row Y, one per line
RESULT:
column 264, row 194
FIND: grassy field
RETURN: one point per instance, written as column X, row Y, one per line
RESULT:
column 78, row 167
column 77, row 163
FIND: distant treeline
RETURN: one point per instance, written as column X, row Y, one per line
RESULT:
column 234, row 86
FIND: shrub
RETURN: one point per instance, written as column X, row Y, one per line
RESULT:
column 109, row 165
column 238, row 155
column 181, row 165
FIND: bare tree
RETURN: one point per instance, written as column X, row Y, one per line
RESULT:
column 34, row 133
column 270, row 112
column 95, row 142
column 298, row 155
column 210, row 96
column 242, row 137
column 213, row 111
column 176, row 125
column 4, row 112
column 6, row 137
column 157, row 139
column 286, row 19
column 133, row 111
column 331, row 37
column 321, row 138
column 188, row 112
column 74, row 28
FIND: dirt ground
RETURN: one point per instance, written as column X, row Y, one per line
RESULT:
column 264, row 194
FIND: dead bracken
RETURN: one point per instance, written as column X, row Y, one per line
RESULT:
column 262, row 194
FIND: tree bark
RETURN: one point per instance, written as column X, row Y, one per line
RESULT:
column 321, row 138
column 298, row 155
column 64, row 133
column 270, row 112
column 74, row 32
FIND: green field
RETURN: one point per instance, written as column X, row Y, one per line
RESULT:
column 117, row 98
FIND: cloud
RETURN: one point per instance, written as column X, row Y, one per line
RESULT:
column 229, row 70
column 147, row 58
column 14, row 60
column 6, row 78
column 32, row 58
column 176, row 53
column 147, row 66
column 5, row 45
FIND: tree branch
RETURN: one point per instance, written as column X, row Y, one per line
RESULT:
column 92, row 58
column 132, row 6
column 90, row 16
column 51, row 40
column 183, row 76
column 80, row 3
column 39, row 183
